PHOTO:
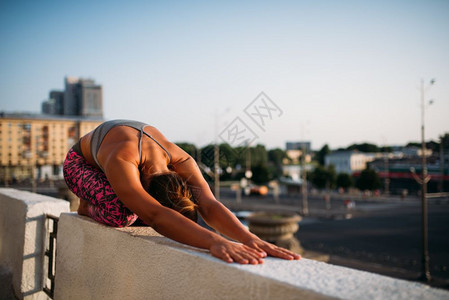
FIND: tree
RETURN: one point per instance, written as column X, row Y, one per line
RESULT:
column 344, row 180
column 364, row 147
column 259, row 155
column 444, row 140
column 321, row 155
column 187, row 147
column 275, row 162
column 227, row 156
column 368, row 180
column 434, row 146
column 207, row 155
column 386, row 149
column 276, row 156
column 322, row 177
column 260, row 174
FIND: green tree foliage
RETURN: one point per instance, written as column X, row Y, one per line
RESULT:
column 434, row 146
column 231, row 157
column 275, row 161
column 413, row 144
column 444, row 140
column 321, row 154
column 368, row 180
column 207, row 155
column 364, row 147
column 189, row 148
column 386, row 149
column 275, row 156
column 259, row 155
column 228, row 156
column 344, row 181
column 322, row 177
column 260, row 174
column 332, row 176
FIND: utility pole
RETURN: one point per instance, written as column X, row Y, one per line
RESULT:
column 248, row 172
column 305, row 204
column 441, row 189
column 216, row 159
column 387, row 174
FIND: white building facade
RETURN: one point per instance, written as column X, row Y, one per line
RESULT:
column 348, row 161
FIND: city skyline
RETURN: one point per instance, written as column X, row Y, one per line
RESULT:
column 340, row 73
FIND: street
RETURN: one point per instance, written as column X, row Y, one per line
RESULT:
column 389, row 237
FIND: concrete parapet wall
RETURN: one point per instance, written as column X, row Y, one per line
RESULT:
column 22, row 242
column 100, row 262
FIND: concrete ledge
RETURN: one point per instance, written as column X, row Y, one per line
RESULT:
column 22, row 240
column 99, row 262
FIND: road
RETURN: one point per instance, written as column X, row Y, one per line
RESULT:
column 389, row 237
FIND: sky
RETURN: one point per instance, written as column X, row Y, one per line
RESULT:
column 331, row 72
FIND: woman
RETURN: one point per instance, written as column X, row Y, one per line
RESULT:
column 124, row 170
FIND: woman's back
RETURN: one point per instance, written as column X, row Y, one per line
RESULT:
column 126, row 141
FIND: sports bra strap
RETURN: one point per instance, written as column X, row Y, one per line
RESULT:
column 142, row 132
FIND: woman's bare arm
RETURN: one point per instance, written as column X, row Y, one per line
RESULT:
column 122, row 172
column 216, row 214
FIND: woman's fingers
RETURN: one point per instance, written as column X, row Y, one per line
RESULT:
column 281, row 252
column 260, row 252
column 245, row 255
column 273, row 250
column 233, row 252
column 221, row 253
column 252, row 253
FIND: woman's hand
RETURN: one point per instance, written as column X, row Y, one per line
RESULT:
column 272, row 250
column 234, row 252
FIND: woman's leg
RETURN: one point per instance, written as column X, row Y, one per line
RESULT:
column 92, row 186
column 83, row 208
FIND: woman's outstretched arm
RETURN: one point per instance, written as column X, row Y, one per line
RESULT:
column 216, row 214
column 123, row 174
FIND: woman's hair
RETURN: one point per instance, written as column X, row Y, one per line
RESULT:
column 173, row 192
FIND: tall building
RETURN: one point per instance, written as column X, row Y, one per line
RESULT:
column 36, row 145
column 58, row 97
column 55, row 103
column 82, row 97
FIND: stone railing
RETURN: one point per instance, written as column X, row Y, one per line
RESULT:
column 98, row 262
column 23, row 234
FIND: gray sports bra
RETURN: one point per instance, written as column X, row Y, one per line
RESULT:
column 101, row 131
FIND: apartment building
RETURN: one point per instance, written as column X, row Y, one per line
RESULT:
column 35, row 146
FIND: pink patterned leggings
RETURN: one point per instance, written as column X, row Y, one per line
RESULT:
column 91, row 185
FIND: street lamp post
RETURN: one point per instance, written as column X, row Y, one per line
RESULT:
column 217, row 171
column 425, row 273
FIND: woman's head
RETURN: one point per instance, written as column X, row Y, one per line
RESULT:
column 172, row 191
